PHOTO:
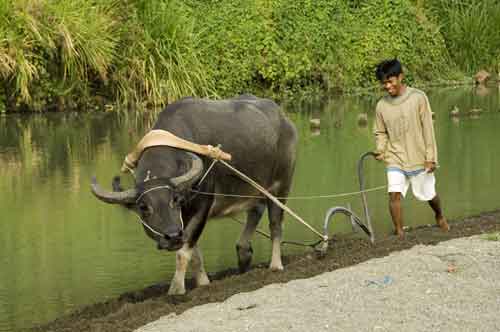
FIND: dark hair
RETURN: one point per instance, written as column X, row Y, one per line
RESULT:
column 388, row 68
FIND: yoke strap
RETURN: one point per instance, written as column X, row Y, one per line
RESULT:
column 159, row 137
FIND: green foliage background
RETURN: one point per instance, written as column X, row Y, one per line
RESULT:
column 63, row 54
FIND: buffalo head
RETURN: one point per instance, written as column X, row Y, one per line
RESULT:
column 158, row 201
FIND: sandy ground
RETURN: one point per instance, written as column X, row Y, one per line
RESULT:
column 413, row 284
column 453, row 286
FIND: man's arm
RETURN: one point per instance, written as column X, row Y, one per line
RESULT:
column 428, row 135
column 381, row 136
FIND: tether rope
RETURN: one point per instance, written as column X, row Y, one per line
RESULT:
column 218, row 155
column 294, row 197
column 274, row 200
column 296, row 243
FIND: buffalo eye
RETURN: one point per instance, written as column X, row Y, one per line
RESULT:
column 144, row 209
column 177, row 200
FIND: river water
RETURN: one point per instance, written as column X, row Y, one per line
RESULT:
column 61, row 249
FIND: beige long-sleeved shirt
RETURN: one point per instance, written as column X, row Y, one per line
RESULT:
column 404, row 132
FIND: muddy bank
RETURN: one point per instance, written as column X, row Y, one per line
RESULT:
column 134, row 309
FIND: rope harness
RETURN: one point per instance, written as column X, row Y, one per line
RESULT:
column 353, row 193
column 329, row 215
column 215, row 153
column 139, row 198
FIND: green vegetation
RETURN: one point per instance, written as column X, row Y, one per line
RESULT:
column 491, row 236
column 470, row 29
column 63, row 54
column 68, row 54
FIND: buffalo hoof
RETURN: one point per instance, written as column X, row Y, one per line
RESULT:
column 176, row 289
column 244, row 257
column 202, row 280
column 276, row 267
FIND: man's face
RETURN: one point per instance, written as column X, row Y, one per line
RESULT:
column 393, row 85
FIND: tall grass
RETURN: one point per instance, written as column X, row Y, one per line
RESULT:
column 471, row 29
column 163, row 63
column 17, row 62
column 59, row 54
column 53, row 49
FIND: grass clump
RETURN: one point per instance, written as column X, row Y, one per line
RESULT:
column 471, row 31
column 160, row 60
column 491, row 236
column 62, row 54
column 51, row 51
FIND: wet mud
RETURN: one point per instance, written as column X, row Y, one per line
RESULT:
column 134, row 309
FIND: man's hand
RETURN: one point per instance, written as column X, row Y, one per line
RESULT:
column 429, row 166
column 379, row 156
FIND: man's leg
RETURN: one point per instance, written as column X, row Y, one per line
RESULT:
column 396, row 213
column 397, row 187
column 424, row 187
column 435, row 204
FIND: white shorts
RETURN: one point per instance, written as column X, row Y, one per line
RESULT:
column 423, row 184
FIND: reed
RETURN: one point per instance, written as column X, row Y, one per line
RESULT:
column 53, row 49
column 61, row 53
column 470, row 28
column 164, row 63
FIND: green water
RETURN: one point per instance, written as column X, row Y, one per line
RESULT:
column 61, row 249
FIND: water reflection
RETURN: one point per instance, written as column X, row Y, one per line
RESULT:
column 60, row 248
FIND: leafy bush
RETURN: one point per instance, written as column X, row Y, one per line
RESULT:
column 382, row 29
column 233, row 34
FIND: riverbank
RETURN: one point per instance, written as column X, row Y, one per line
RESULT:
column 453, row 286
column 68, row 56
column 135, row 309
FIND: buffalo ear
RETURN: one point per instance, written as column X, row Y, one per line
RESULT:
column 187, row 179
column 116, row 183
column 117, row 186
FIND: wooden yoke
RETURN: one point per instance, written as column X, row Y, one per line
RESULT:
column 158, row 137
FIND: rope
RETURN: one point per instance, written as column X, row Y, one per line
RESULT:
column 152, row 189
column 145, row 224
column 218, row 155
column 150, row 228
column 274, row 199
column 313, row 244
column 294, row 197
column 208, row 171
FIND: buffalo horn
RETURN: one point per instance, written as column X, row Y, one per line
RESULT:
column 191, row 176
column 113, row 197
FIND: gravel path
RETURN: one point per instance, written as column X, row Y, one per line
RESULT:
column 453, row 286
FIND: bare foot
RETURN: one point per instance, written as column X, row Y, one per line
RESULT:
column 400, row 233
column 443, row 224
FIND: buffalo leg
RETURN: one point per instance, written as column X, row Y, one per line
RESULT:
column 275, row 226
column 200, row 275
column 243, row 246
column 182, row 258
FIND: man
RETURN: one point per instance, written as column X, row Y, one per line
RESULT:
column 405, row 141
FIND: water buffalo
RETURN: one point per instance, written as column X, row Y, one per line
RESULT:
column 262, row 142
